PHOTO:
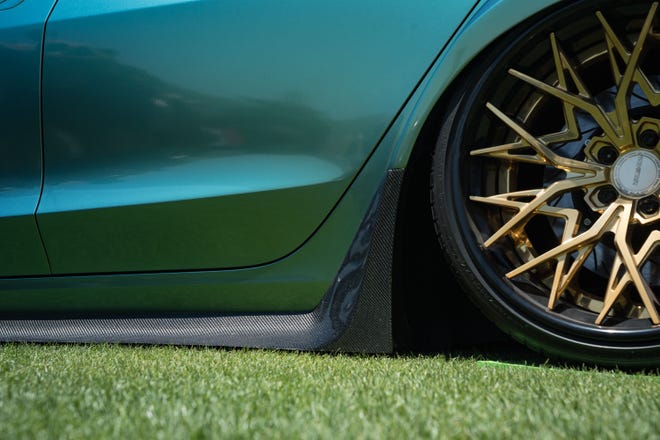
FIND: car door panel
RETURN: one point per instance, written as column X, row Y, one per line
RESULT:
column 202, row 134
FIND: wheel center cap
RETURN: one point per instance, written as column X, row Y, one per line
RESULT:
column 637, row 174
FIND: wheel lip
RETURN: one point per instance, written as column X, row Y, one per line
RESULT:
column 498, row 288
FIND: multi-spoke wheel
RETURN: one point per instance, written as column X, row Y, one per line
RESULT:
column 546, row 183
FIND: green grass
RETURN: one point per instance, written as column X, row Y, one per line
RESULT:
column 107, row 391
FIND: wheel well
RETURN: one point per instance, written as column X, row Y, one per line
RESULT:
column 431, row 311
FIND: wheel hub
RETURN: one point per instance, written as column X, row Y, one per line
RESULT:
column 637, row 174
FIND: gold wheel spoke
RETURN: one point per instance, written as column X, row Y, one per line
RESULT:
column 562, row 279
column 628, row 258
column 626, row 82
column 584, row 103
column 613, row 290
column 504, row 152
column 544, row 155
column 563, row 65
column 593, row 234
column 571, row 217
column 615, row 286
column 539, row 202
column 614, row 44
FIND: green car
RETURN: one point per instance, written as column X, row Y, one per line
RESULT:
column 325, row 175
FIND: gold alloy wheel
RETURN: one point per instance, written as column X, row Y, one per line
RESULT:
column 617, row 176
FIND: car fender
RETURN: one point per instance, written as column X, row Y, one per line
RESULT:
column 489, row 20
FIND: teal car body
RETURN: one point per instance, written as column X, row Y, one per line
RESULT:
column 200, row 135
column 218, row 172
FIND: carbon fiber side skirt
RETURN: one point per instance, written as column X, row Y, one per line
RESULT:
column 355, row 315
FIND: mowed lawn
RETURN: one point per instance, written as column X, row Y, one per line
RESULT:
column 135, row 392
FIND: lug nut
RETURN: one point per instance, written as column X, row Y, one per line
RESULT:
column 607, row 194
column 607, row 155
column 648, row 138
column 648, row 205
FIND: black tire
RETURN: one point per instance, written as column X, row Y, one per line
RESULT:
column 485, row 240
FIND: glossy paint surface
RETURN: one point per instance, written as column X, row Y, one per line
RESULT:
column 21, row 30
column 294, row 283
column 206, row 134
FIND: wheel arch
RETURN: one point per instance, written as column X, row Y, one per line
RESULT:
column 418, row 311
column 488, row 22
